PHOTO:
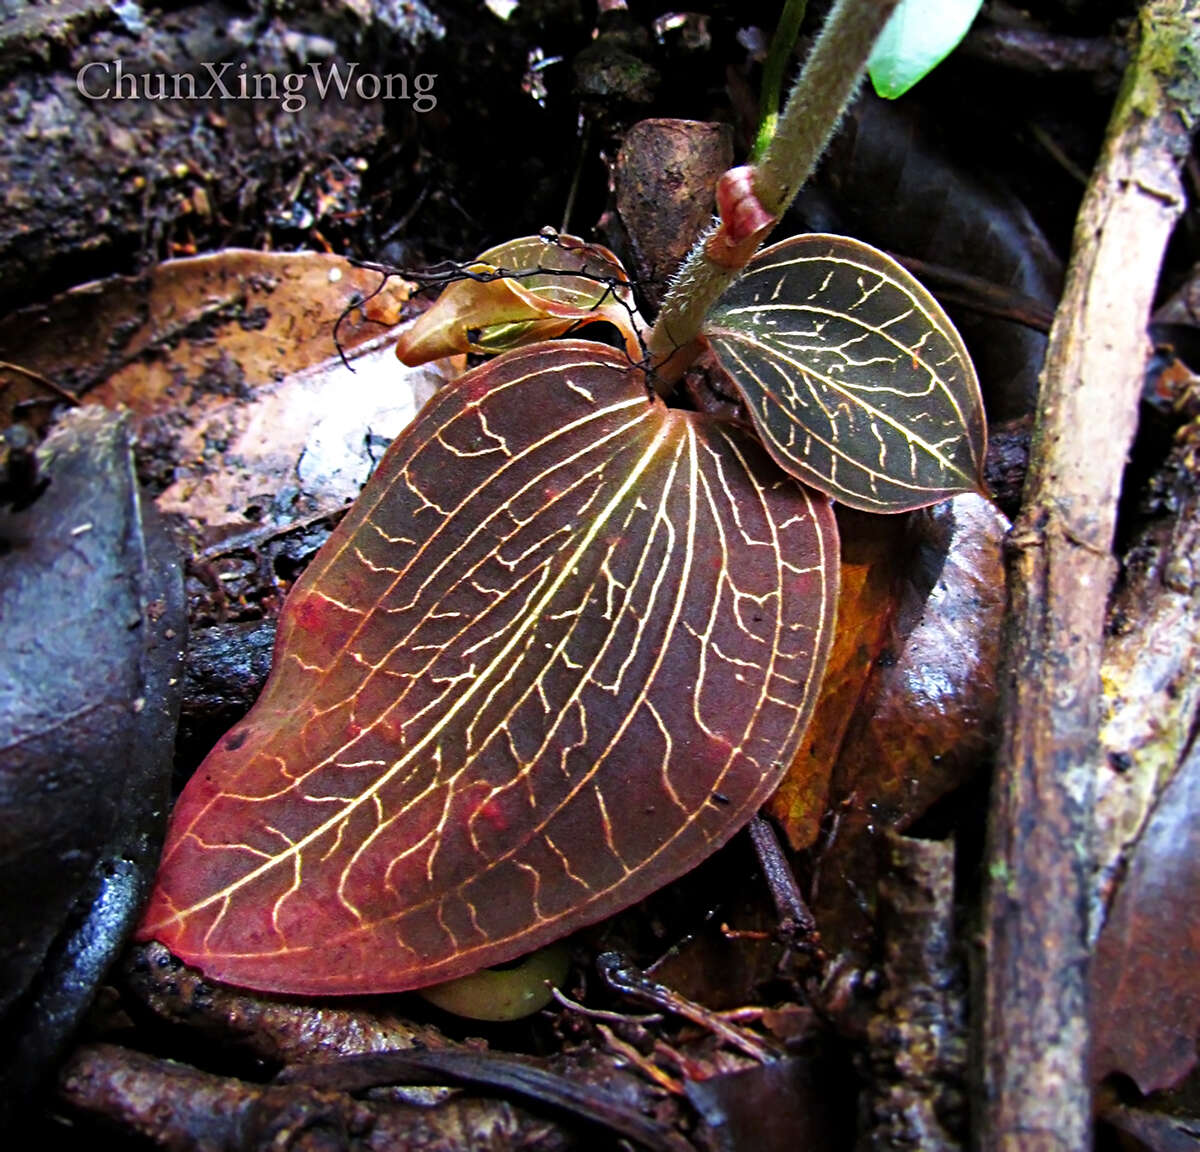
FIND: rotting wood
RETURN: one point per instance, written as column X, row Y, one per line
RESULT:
column 1152, row 693
column 172, row 1106
column 917, row 1033
column 1034, row 1093
column 1145, row 974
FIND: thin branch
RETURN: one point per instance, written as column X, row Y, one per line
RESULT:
column 621, row 976
column 44, row 381
column 493, row 1071
column 1034, row 1046
column 796, row 923
column 818, row 101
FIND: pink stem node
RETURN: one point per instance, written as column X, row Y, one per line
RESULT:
column 744, row 221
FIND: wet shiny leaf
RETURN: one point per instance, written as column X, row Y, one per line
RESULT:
column 91, row 607
column 854, row 376
column 795, row 1102
column 923, row 727
column 873, row 554
column 560, row 650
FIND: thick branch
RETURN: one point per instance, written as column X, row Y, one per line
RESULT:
column 1034, row 1044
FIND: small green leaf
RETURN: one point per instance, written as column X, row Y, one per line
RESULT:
column 855, row 378
column 917, row 38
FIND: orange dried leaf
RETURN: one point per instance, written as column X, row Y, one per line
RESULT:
column 924, row 725
column 872, row 554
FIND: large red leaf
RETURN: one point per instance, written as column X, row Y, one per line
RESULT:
column 560, row 650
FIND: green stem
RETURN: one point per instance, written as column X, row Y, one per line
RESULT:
column 778, row 56
column 814, row 109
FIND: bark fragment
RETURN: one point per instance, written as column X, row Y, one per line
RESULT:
column 917, row 1035
column 181, row 1109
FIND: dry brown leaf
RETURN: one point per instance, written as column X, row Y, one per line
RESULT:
column 230, row 365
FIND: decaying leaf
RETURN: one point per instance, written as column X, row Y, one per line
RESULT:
column 854, row 376
column 245, row 411
column 1146, row 994
column 1146, row 973
column 560, row 650
column 1163, row 1127
column 145, row 341
column 924, row 725
column 529, row 289
column 775, row 1107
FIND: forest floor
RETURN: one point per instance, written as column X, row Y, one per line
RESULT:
column 989, row 835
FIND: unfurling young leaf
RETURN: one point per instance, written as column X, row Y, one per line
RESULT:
column 529, row 289
column 918, row 36
column 855, row 378
column 561, row 649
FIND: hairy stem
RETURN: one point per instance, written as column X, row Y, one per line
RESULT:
column 814, row 108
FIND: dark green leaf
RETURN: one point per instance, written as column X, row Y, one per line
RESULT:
column 854, row 376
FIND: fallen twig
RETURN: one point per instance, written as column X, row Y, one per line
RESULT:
column 1035, row 1091
column 623, row 977
column 512, row 1075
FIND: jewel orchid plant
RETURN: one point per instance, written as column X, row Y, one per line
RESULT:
column 567, row 640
